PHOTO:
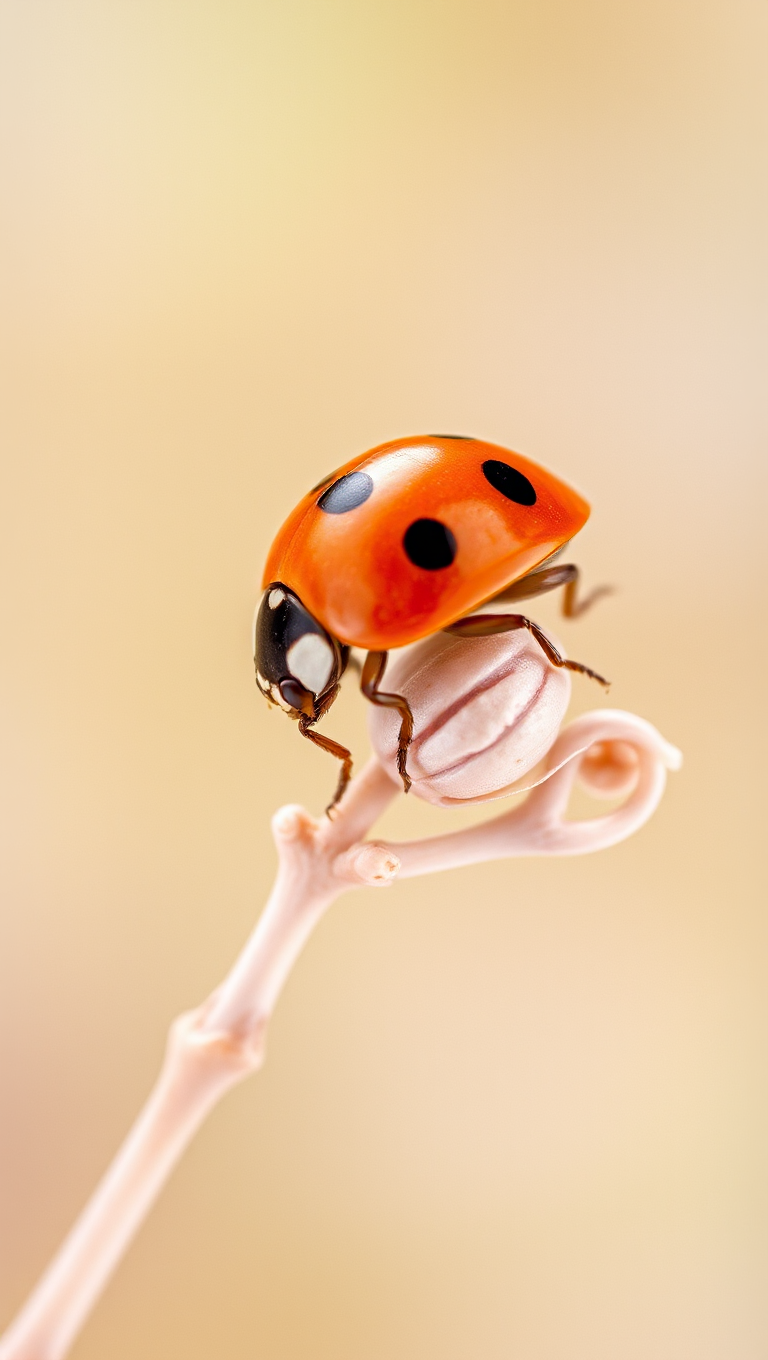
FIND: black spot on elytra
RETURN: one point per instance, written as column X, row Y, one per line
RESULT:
column 511, row 483
column 429, row 544
column 346, row 494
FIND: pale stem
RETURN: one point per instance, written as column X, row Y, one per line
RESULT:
column 213, row 1047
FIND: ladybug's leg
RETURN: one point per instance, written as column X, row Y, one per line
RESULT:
column 312, row 712
column 549, row 578
column 373, row 673
column 483, row 625
column 334, row 748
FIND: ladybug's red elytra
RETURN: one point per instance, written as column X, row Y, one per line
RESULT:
column 401, row 542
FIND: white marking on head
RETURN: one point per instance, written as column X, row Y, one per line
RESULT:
column 276, row 597
column 310, row 661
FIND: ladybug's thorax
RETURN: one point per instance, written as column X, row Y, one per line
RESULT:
column 293, row 653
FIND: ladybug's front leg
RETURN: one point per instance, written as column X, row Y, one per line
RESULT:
column 313, row 711
column 373, row 674
column 483, row 625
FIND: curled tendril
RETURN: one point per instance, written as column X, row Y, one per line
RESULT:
column 487, row 712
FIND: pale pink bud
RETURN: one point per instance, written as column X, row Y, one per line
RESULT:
column 486, row 710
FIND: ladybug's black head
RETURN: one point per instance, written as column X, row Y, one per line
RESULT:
column 297, row 661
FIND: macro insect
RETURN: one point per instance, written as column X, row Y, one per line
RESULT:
column 407, row 539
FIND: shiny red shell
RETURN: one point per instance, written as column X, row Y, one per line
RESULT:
column 351, row 569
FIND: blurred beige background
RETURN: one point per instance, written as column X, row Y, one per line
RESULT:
column 518, row 1110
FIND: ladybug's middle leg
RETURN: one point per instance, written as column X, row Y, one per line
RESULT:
column 373, row 674
column 549, row 578
column 484, row 625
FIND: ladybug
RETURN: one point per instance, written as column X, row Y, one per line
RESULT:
column 400, row 542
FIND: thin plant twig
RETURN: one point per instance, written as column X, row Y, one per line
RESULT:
column 212, row 1048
